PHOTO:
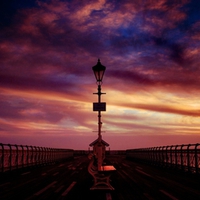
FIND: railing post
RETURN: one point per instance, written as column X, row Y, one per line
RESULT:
column 196, row 159
column 171, row 156
column 167, row 158
column 27, row 155
column 31, row 159
column 44, row 155
column 157, row 155
column 163, row 156
column 39, row 155
column 10, row 157
column 160, row 156
column 2, row 157
column 182, row 156
column 188, row 157
column 176, row 159
column 154, row 155
column 22, row 155
column 17, row 156
column 48, row 157
column 34, row 155
column 51, row 155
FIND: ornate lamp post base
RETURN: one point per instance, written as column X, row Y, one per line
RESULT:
column 101, row 178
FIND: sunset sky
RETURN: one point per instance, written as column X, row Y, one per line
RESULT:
column 151, row 50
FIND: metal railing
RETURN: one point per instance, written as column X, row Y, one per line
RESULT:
column 185, row 157
column 14, row 156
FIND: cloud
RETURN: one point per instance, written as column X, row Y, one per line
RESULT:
column 47, row 50
column 167, row 109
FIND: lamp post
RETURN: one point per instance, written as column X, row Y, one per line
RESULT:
column 99, row 71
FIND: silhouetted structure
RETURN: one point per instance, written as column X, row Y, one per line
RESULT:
column 100, row 173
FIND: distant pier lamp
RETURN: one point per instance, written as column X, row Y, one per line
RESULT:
column 99, row 149
column 99, row 170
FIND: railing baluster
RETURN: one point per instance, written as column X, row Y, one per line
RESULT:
column 30, row 155
column 188, row 158
column 10, row 157
column 185, row 157
column 196, row 159
column 2, row 157
column 17, row 156
column 176, row 157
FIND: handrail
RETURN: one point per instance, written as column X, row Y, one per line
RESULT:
column 13, row 156
column 185, row 156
